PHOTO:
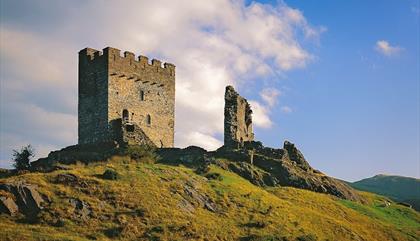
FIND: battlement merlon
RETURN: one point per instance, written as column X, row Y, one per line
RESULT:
column 113, row 54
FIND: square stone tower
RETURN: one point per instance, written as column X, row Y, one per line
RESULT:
column 125, row 99
column 238, row 119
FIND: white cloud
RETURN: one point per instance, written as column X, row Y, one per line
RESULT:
column 212, row 44
column 260, row 115
column 286, row 109
column 270, row 95
column 386, row 49
column 202, row 140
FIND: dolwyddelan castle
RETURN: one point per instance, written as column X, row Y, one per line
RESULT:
column 132, row 101
column 122, row 98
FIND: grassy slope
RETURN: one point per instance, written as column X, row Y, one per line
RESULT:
column 145, row 205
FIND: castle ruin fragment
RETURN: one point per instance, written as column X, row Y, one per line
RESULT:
column 238, row 119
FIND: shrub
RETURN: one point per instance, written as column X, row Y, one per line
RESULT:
column 214, row 176
column 23, row 157
column 110, row 174
column 141, row 153
column 113, row 232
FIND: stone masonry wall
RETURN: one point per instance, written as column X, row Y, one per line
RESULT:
column 238, row 119
column 93, row 97
column 145, row 90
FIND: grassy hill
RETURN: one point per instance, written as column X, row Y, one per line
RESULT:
column 402, row 189
column 172, row 202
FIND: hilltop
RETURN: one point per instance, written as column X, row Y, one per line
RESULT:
column 398, row 188
column 137, row 195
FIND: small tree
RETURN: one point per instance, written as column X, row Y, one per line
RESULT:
column 23, row 157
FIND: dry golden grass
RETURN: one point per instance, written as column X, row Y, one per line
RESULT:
column 148, row 203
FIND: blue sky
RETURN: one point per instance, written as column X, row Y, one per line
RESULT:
column 338, row 78
column 356, row 111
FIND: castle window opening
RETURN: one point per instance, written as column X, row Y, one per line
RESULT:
column 141, row 95
column 129, row 128
column 125, row 115
column 148, row 120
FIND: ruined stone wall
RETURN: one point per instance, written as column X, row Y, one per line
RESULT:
column 130, row 133
column 238, row 119
column 146, row 90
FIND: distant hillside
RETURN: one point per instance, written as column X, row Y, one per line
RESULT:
column 133, row 198
column 402, row 189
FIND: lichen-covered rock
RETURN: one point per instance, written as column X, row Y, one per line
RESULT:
column 193, row 198
column 8, row 206
column 253, row 174
column 76, row 153
column 71, row 180
column 81, row 209
column 28, row 199
column 284, row 167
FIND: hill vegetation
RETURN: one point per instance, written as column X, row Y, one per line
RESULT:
column 398, row 188
column 130, row 197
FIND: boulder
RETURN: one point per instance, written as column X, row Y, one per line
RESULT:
column 8, row 206
column 196, row 198
column 255, row 175
column 71, row 180
column 28, row 200
column 81, row 209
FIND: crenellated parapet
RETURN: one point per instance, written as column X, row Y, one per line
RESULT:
column 127, row 61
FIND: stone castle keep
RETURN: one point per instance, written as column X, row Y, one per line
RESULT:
column 133, row 102
column 125, row 99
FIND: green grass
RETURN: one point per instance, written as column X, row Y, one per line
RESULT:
column 394, row 215
column 145, row 203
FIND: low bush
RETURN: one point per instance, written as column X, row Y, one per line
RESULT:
column 141, row 153
column 110, row 174
column 214, row 176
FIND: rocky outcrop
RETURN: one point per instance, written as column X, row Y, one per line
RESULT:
column 23, row 198
column 87, row 186
column 78, row 153
column 197, row 198
column 191, row 198
column 8, row 205
column 81, row 209
column 263, row 166
column 287, row 167
column 253, row 174
column 294, row 155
